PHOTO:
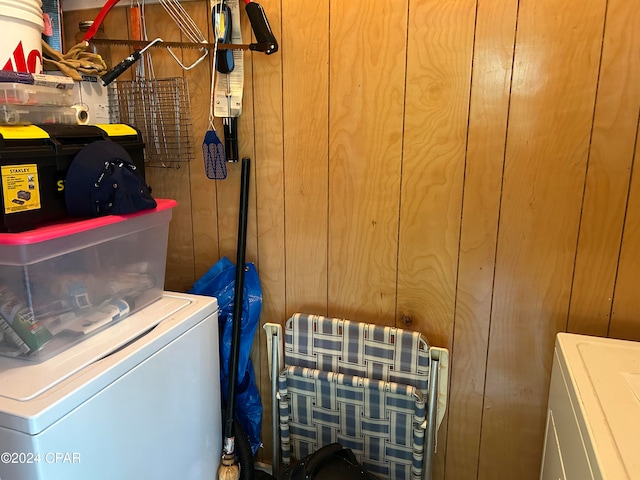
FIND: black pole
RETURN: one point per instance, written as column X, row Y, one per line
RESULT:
column 237, row 306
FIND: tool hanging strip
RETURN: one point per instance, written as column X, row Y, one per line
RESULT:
column 230, row 87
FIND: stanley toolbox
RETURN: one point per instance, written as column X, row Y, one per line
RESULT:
column 34, row 161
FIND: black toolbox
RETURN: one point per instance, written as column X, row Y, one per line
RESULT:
column 34, row 162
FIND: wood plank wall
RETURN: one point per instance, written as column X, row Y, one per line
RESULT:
column 462, row 167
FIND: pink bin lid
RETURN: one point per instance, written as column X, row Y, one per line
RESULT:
column 70, row 227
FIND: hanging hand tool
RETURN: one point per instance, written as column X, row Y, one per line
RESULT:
column 230, row 125
column 222, row 21
column 266, row 41
column 225, row 65
column 116, row 71
column 213, row 150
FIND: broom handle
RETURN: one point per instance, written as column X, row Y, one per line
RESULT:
column 237, row 304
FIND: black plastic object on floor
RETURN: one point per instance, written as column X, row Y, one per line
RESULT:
column 332, row 462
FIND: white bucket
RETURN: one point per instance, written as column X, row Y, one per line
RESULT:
column 21, row 25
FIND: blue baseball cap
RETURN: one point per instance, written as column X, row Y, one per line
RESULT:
column 103, row 180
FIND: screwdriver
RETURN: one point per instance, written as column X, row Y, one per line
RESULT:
column 120, row 68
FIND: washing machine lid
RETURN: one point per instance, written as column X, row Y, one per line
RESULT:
column 35, row 395
column 606, row 375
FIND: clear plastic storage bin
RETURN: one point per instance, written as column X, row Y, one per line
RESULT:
column 61, row 283
column 26, row 94
column 37, row 115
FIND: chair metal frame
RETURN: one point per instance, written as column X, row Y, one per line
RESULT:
column 327, row 352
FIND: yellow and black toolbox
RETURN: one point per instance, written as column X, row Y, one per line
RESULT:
column 34, row 162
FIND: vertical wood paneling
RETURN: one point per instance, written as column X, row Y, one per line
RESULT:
column 228, row 190
column 437, row 103
column 203, row 190
column 304, row 48
column 610, row 160
column 552, row 101
column 492, row 59
column 367, row 60
column 626, row 305
column 439, row 54
column 305, row 60
column 268, row 144
column 269, row 170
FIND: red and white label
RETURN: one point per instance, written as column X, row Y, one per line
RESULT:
column 19, row 62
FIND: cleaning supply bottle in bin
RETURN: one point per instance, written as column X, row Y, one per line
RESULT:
column 110, row 311
column 84, row 290
column 20, row 324
column 101, row 49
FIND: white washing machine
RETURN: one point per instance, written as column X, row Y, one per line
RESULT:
column 139, row 400
column 593, row 420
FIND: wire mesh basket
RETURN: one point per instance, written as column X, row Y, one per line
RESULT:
column 161, row 110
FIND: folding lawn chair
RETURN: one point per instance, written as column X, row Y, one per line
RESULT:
column 381, row 422
column 380, row 391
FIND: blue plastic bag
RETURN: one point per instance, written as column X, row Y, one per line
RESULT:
column 219, row 282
